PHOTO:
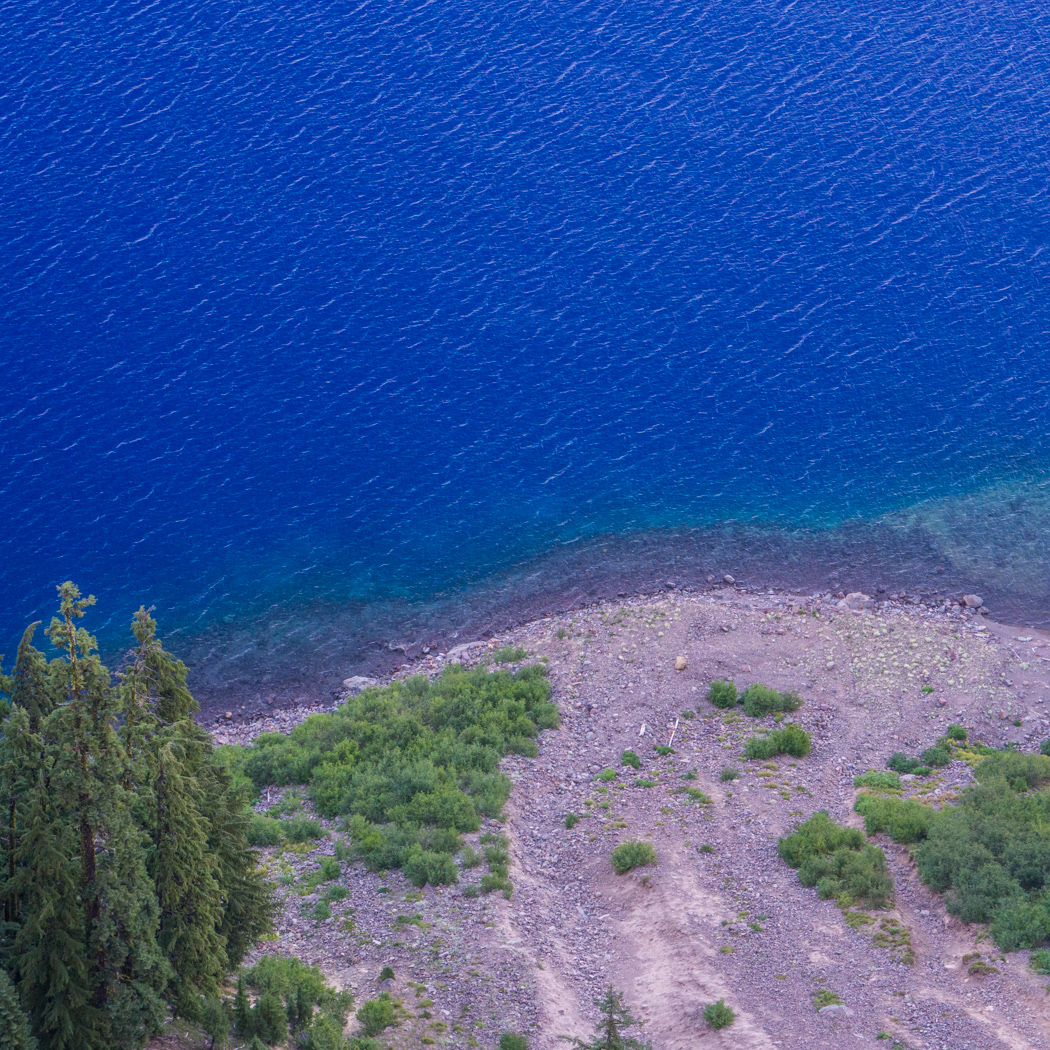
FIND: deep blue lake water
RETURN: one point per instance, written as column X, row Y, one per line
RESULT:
column 331, row 325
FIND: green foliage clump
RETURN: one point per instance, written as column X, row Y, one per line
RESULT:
column 956, row 733
column 729, row 773
column 289, row 992
column 14, row 1025
column 1039, row 961
column 615, row 1016
column 629, row 758
column 513, row 1041
column 901, row 763
column 906, row 822
column 571, row 820
column 302, row 829
column 760, row 700
column 262, row 831
column 606, row 775
column 792, row 740
column 937, row 756
column 414, row 764
column 718, row 1015
column 878, row 781
column 1044, row 747
column 722, row 694
column 509, row 654
column 376, row 1015
column 128, row 886
column 990, row 853
column 632, row 854
column 837, row 861
column 663, row 750
column 826, row 997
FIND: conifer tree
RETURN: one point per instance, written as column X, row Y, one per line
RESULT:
column 29, row 686
column 615, row 1016
column 14, row 1025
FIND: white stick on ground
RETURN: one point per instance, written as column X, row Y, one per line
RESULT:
column 673, row 731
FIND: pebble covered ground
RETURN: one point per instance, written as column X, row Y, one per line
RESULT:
column 719, row 916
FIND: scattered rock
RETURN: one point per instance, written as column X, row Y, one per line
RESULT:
column 835, row 1010
column 728, row 579
column 680, row 663
column 857, row 601
column 973, row 601
column 358, row 682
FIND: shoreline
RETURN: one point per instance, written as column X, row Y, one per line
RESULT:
column 300, row 653
column 242, row 723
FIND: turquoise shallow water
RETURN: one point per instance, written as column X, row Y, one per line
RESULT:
column 329, row 326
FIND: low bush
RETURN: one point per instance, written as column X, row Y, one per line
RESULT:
column 792, row 740
column 718, row 1015
column 629, row 758
column 1044, row 747
column 936, row 756
column 759, row 701
column 905, row 822
column 513, row 1041
column 262, row 831
column 302, row 829
column 1039, row 962
column 729, row 773
column 632, row 854
column 957, row 733
column 878, row 781
column 901, row 763
column 606, row 775
column 663, row 750
column 722, row 694
column 510, row 654
column 376, row 1015
column 412, row 765
column 289, row 991
column 837, row 861
column 571, row 820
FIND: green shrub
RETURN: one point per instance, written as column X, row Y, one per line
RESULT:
column 411, row 760
column 422, row 866
column 322, row 911
column 837, row 861
column 299, row 988
column 936, row 756
column 696, row 795
column 629, row 758
column 1011, row 766
column 792, row 740
column 759, row 701
column 1039, row 962
column 718, row 1015
column 955, row 732
column 901, row 763
column 878, row 781
column 722, row 694
column 606, row 775
column 663, row 750
column 301, row 830
column 513, row 1041
column 330, row 868
column 262, row 831
column 632, row 854
column 905, row 821
column 729, row 773
column 510, row 654
column 1044, row 747
column 336, row 893
column 571, row 820
column 376, row 1014
column 269, row 1018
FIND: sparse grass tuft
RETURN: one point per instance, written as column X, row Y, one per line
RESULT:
column 729, row 773
column 632, row 854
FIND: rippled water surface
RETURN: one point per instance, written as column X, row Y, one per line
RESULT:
column 325, row 322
